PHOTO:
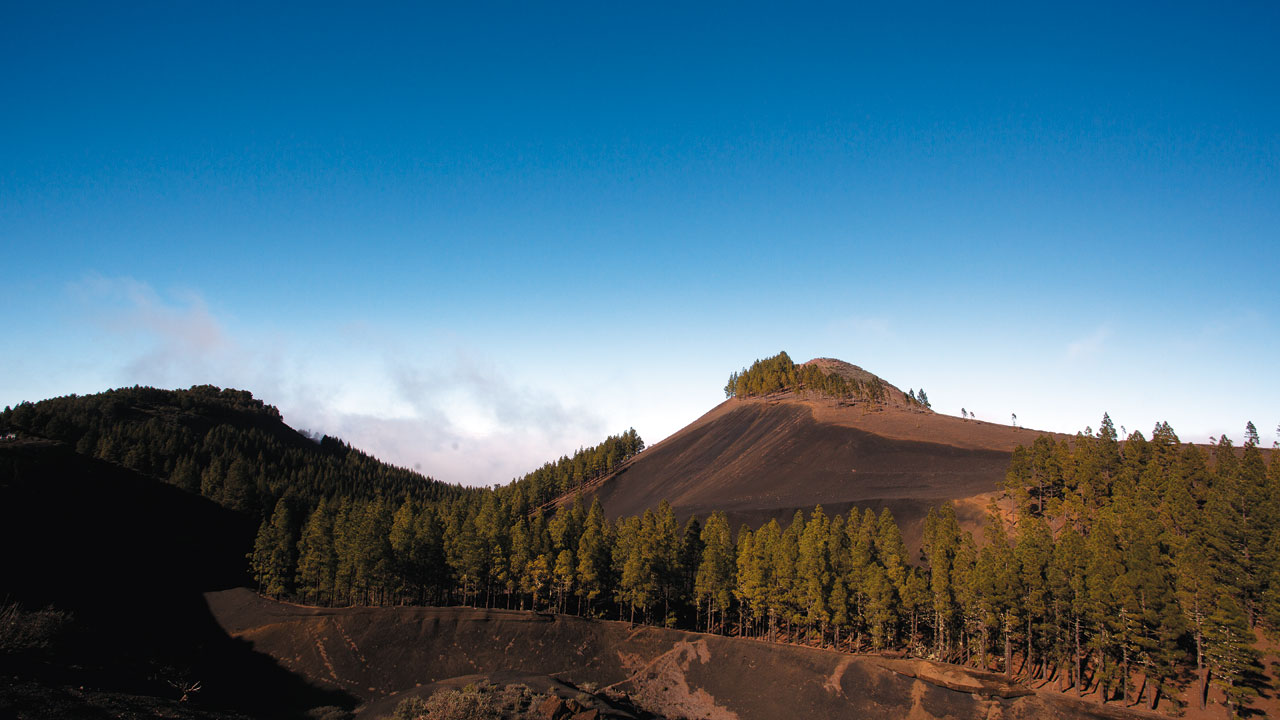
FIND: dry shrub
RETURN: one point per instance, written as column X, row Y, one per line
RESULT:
column 328, row 712
column 29, row 630
column 473, row 702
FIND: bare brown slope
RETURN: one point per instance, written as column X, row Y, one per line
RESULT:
column 761, row 458
column 377, row 653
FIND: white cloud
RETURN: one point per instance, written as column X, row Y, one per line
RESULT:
column 166, row 336
column 452, row 415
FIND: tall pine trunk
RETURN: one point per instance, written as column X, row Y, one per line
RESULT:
column 1008, row 646
column 1079, row 661
column 1026, row 662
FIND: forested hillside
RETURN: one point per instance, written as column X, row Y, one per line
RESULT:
column 1128, row 570
column 223, row 444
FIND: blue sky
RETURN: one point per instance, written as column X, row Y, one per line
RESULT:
column 470, row 239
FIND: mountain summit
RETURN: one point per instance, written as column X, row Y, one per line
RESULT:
column 854, row 374
column 822, row 377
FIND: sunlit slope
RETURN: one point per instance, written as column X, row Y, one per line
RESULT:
column 758, row 458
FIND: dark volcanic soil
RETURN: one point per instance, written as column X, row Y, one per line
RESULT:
column 375, row 653
column 759, row 458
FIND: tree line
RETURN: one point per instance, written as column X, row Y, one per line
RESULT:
column 571, row 473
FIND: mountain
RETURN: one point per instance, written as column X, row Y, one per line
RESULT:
column 766, row 456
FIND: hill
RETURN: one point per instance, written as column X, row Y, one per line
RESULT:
column 763, row 456
column 223, row 444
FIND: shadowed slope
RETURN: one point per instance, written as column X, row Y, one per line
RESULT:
column 128, row 559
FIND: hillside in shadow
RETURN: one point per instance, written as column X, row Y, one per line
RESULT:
column 123, row 561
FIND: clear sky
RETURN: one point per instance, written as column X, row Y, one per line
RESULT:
column 472, row 237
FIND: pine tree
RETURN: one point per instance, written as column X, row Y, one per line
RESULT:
column 1103, row 568
column 429, row 560
column 691, row 551
column 1068, row 586
column 881, row 612
column 275, row 552
column 376, row 560
column 1034, row 553
column 891, row 553
column 838, row 600
column 521, row 554
column 913, row 599
column 563, row 575
column 969, row 608
column 1017, row 479
column 317, row 560
column 999, row 584
column 889, row 547
column 813, row 571
column 1229, row 653
column 1271, row 595
column 716, row 571
column 346, row 553
column 185, row 475
column 634, row 564
column 784, row 596
column 1262, row 520
column 662, row 541
column 763, row 573
column 940, row 546
column 491, row 551
column 1151, row 622
column 403, row 537
column 238, row 490
column 752, row 581
column 1234, row 497
column 537, row 574
column 594, row 556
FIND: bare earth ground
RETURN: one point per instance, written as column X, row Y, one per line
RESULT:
column 378, row 654
column 763, row 458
